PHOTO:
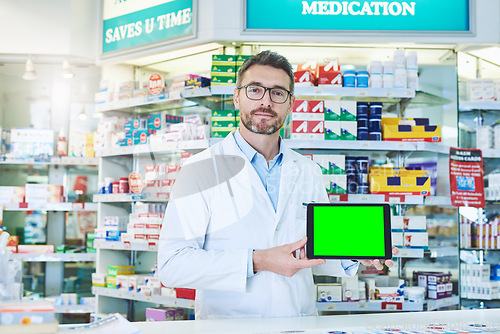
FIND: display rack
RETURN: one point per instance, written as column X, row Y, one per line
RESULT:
column 123, row 254
column 128, row 295
column 55, row 257
column 61, row 207
column 381, row 306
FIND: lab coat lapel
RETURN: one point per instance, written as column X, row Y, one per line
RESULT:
column 229, row 146
column 289, row 174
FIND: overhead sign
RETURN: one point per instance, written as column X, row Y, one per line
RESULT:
column 466, row 178
column 404, row 16
column 133, row 23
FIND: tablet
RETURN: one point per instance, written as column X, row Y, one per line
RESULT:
column 348, row 231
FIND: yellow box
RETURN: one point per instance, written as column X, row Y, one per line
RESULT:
column 410, row 129
column 113, row 271
column 399, row 181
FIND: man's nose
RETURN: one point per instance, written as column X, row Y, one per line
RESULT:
column 266, row 99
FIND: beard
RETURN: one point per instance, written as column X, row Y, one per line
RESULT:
column 262, row 127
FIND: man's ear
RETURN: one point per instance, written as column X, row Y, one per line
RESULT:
column 292, row 102
column 236, row 99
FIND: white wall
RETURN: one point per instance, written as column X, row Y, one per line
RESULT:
column 50, row 27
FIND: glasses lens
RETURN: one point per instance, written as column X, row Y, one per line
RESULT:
column 278, row 95
column 255, row 92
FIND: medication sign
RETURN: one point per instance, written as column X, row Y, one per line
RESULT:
column 134, row 23
column 466, row 178
column 393, row 16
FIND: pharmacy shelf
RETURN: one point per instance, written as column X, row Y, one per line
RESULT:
column 329, row 92
column 479, row 249
column 118, row 245
column 127, row 198
column 151, row 148
column 74, row 309
column 388, row 306
column 391, row 199
column 433, row 147
column 443, row 251
column 76, row 206
column 161, row 300
column 491, row 153
column 434, row 304
column 479, row 105
column 379, row 306
column 54, row 160
column 55, row 257
column 351, row 145
column 410, row 253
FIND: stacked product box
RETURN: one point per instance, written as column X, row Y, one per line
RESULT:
column 81, row 144
column 409, row 232
column 223, row 71
column 410, row 129
column 126, row 89
column 240, row 59
column 28, row 315
column 89, row 242
column 399, row 181
column 330, row 74
column 193, row 81
column 117, row 272
column 357, row 175
column 333, row 170
column 223, row 122
column 385, row 288
column 438, row 285
column 480, row 281
column 480, row 235
column 12, row 194
column 105, row 93
column 31, row 142
column 340, row 120
column 484, row 90
column 307, row 120
column 144, row 225
column 306, row 74
column 109, row 133
column 44, row 193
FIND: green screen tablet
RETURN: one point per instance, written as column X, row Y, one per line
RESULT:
column 348, row 231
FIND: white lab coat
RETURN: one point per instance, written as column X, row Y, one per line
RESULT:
column 208, row 235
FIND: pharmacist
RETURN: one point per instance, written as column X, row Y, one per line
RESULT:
column 234, row 227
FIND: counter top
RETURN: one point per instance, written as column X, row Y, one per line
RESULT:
column 415, row 321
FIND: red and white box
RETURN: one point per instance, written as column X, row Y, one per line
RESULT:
column 304, row 110
column 310, row 65
column 330, row 74
column 304, row 79
column 308, row 130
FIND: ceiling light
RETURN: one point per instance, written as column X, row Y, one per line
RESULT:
column 82, row 116
column 67, row 73
column 30, row 73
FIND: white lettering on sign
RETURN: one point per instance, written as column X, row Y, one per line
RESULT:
column 135, row 29
column 377, row 8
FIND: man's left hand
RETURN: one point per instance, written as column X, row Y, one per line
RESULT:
column 378, row 264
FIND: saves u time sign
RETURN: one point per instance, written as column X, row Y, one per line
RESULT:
column 161, row 22
column 376, row 8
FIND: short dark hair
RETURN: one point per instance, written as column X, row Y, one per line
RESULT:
column 267, row 58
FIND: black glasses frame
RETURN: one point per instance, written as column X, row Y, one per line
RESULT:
column 265, row 90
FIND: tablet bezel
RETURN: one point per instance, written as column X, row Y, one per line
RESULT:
column 310, row 232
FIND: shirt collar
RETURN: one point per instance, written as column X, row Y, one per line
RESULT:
column 250, row 152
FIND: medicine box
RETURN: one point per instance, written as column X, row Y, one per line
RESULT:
column 397, row 239
column 348, row 111
column 223, row 113
column 28, row 142
column 99, row 280
column 416, row 239
column 304, row 79
column 308, row 110
column 330, row 74
column 348, row 130
column 415, row 223
column 35, row 249
column 386, row 288
column 410, row 129
column 26, row 313
column 12, row 194
column 397, row 223
column 332, row 110
column 44, row 193
column 329, row 292
column 120, row 270
column 122, row 282
column 111, row 282
column 332, row 130
column 350, row 291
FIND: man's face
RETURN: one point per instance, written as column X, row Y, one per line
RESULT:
column 263, row 116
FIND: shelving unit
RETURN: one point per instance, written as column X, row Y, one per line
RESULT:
column 57, row 169
column 380, row 306
column 128, row 295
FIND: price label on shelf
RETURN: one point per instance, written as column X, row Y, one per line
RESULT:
column 394, row 200
column 365, row 144
column 401, row 145
column 362, row 92
column 364, row 198
column 389, row 93
column 148, row 298
column 78, row 206
column 330, row 307
column 362, row 305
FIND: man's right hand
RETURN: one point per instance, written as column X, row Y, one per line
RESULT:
column 282, row 260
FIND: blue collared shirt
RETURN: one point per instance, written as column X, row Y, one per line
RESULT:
column 268, row 174
column 270, row 177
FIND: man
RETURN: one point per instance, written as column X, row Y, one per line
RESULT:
column 234, row 227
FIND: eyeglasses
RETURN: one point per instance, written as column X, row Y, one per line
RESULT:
column 256, row 92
